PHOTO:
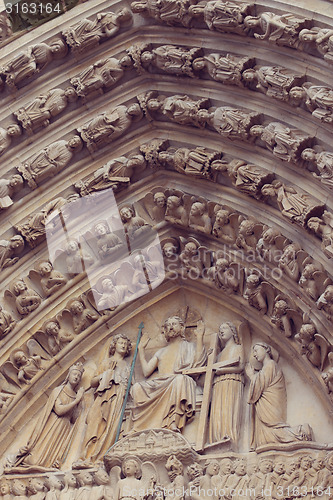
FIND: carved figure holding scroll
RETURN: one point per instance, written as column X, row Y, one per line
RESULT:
column 27, row 300
column 9, row 187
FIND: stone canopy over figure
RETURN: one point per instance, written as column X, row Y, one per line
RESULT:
column 168, row 400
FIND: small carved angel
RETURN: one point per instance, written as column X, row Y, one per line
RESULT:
column 107, row 242
column 325, row 301
column 313, row 345
column 310, row 280
column 25, row 363
column 199, row 218
column 260, row 294
column 57, row 337
column 249, row 232
column 7, row 322
column 108, row 295
column 225, row 225
column 82, row 317
column 50, row 280
column 285, row 318
column 323, row 228
column 139, row 479
column 176, row 211
column 291, row 260
column 27, row 300
column 194, row 258
column 155, row 203
column 226, row 275
column 134, row 225
column 270, row 245
column 77, row 260
column 328, row 375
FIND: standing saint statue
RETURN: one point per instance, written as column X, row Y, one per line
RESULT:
column 50, row 439
column 268, row 397
column 168, row 400
column 228, row 385
column 110, row 383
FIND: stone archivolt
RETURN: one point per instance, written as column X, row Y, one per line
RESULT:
column 217, row 245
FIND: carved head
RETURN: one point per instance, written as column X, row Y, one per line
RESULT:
column 269, row 235
column 134, row 110
column 147, row 57
column 250, row 75
column 197, row 209
column 101, row 228
column 75, row 144
column 328, row 294
column 101, row 477
column 240, row 468
column 308, row 271
column 76, row 307
column 173, row 327
column 296, row 95
column 131, row 467
column 124, row 15
column 256, row 130
column 154, row 105
column 126, row 213
column 72, row 247
column 44, row 268
column 20, row 358
column 306, row 462
column 251, row 21
column 246, row 227
column 14, row 130
column 222, row 217
column 174, row 467
column 307, row 332
column 70, row 480
column 279, row 466
column 173, row 202
column 190, row 249
column 58, row 48
column 70, row 94
column 121, row 344
column 226, row 466
column 228, row 330
column 194, row 470
column 19, row 287
column 18, row 488
column 126, row 62
column 211, row 467
column 35, row 484
column 199, row 64
column 4, row 487
column 221, row 264
column 265, row 466
column 85, row 478
column 170, row 250
column 17, row 243
column 160, row 199
column 253, row 281
column 52, row 328
column 308, row 154
column 107, row 285
column 280, row 308
column 16, row 182
column 314, row 224
column 260, row 351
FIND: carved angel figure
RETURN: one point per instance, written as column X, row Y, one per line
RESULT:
column 267, row 395
column 171, row 12
column 87, row 34
column 276, row 28
column 268, row 247
column 77, row 260
column 229, row 122
column 6, row 136
column 310, row 280
column 9, row 187
column 109, row 384
column 248, row 235
column 199, row 218
column 7, row 322
column 49, row 161
column 328, row 375
column 101, row 75
column 223, row 15
column 274, row 81
column 223, row 227
column 325, row 301
column 323, row 228
column 284, row 142
column 27, row 366
column 27, row 300
column 26, row 64
column 228, row 386
column 313, row 345
column 57, row 337
column 134, row 225
column 190, row 259
column 9, row 251
column 260, row 294
column 324, row 162
column 111, row 295
column 51, row 281
column 108, row 126
column 285, row 318
column 227, row 69
column 175, row 211
column 82, row 317
column 295, row 205
column 46, row 447
column 168, row 399
column 107, row 242
column 289, row 261
column 38, row 113
column 225, row 275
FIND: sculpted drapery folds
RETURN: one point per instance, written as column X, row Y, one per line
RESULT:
column 50, row 438
column 268, row 397
column 109, row 383
column 225, row 413
column 168, row 400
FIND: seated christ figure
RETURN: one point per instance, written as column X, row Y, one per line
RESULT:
column 167, row 400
